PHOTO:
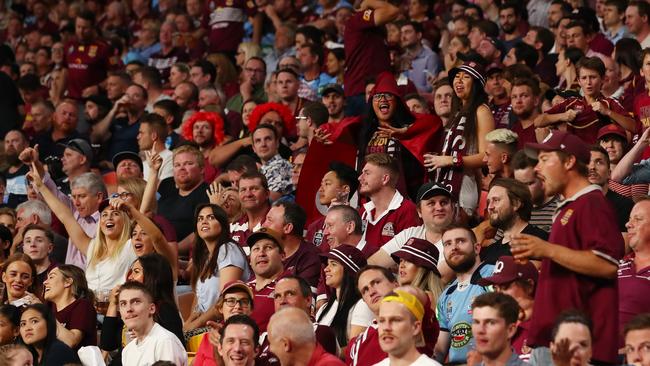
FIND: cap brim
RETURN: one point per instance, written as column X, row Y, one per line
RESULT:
column 435, row 191
column 532, row 149
column 401, row 254
column 240, row 286
column 494, row 280
column 255, row 237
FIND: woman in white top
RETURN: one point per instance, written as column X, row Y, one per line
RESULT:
column 345, row 312
column 216, row 261
column 110, row 253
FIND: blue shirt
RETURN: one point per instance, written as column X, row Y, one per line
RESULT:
column 640, row 173
column 454, row 311
column 425, row 60
column 319, row 83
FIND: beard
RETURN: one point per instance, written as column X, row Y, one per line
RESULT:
column 503, row 221
column 509, row 29
column 12, row 158
column 468, row 261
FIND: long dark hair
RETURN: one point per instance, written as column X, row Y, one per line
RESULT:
column 79, row 288
column 477, row 97
column 402, row 117
column 50, row 320
column 11, row 313
column 158, row 278
column 205, row 265
column 349, row 297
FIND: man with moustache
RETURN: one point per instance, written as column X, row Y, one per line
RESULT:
column 400, row 325
column 16, row 192
column 583, row 249
column 509, row 207
column 461, row 251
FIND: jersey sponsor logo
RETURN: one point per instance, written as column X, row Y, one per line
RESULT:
column 388, row 229
column 565, row 218
column 92, row 51
column 367, row 14
column 461, row 334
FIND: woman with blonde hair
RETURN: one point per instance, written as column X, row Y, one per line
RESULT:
column 110, row 253
column 418, row 267
column 227, row 76
column 72, row 303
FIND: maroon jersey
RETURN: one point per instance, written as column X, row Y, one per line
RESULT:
column 224, row 20
column 401, row 214
column 87, row 65
column 240, row 230
column 264, row 303
column 633, row 290
column 164, row 62
column 587, row 122
column 79, row 315
column 524, row 135
column 642, row 111
column 501, row 114
column 366, row 52
column 316, row 235
column 583, row 222
column 305, row 262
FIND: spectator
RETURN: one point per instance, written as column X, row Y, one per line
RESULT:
column 151, row 137
column 292, row 340
column 41, row 119
column 626, row 171
column 344, row 311
column 36, row 212
column 494, row 322
column 632, row 269
column 38, row 244
column 288, row 87
column 312, row 59
column 501, row 145
column 137, row 309
column 443, row 101
column 167, row 55
column 613, row 139
column 599, row 174
column 510, row 21
column 418, row 261
column 276, row 169
column 128, row 164
column 399, row 338
column 542, row 39
column 216, row 261
column 519, row 281
column 18, row 274
column 266, row 253
column 614, row 20
column 238, row 341
column 566, row 68
column 585, row 260
column 254, row 196
column 438, row 209
column 311, row 116
column 10, row 318
column 186, row 95
column 8, row 219
column 387, row 212
column 38, row 332
column 525, row 100
column 72, row 303
column 300, row 257
column 578, row 35
column 461, row 253
column 417, row 104
column 637, row 20
column 421, row 59
column 509, row 206
column 543, row 206
column 171, row 112
column 16, row 354
column 636, row 338
column 15, row 142
column 252, row 86
column 150, row 79
column 342, row 225
column 521, row 53
column 75, row 161
column 206, row 129
column 203, row 73
column 116, row 84
column 500, row 103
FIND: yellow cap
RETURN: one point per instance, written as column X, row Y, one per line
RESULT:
column 410, row 301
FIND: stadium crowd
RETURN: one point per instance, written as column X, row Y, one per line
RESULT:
column 321, row 182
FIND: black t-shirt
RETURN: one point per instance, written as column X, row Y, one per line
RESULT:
column 180, row 210
column 491, row 253
column 58, row 354
column 123, row 137
column 10, row 99
column 622, row 206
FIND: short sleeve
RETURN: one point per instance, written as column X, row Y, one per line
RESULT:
column 398, row 241
column 361, row 20
column 559, row 108
column 231, row 255
column 84, row 318
column 604, row 238
column 440, row 313
column 361, row 314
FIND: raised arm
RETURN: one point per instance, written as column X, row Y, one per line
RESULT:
column 101, row 131
column 77, row 235
column 221, row 154
column 384, row 11
column 155, row 162
column 624, row 167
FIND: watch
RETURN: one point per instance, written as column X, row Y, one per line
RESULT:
column 457, row 161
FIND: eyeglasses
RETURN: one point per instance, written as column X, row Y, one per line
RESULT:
column 386, row 96
column 123, row 195
column 231, row 302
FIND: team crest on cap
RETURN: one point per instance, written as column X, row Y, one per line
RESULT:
column 388, row 230
column 565, row 218
column 498, row 267
column 366, row 15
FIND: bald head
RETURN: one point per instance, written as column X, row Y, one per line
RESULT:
column 291, row 336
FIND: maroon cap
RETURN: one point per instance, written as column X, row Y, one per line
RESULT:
column 350, row 257
column 561, row 141
column 471, row 67
column 507, row 270
column 421, row 253
column 237, row 285
column 386, row 83
column 612, row 129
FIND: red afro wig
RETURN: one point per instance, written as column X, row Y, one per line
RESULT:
column 213, row 118
column 289, row 123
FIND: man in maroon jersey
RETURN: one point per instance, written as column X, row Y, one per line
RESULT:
column 525, row 106
column 87, row 58
column 586, row 115
column 387, row 212
column 224, row 20
column 580, row 260
column 366, row 51
column 254, row 196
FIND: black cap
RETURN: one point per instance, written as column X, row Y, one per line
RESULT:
column 336, row 88
column 81, row 146
column 101, row 101
column 127, row 155
column 428, row 190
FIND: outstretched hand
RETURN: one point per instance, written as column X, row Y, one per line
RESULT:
column 215, row 192
column 34, row 176
column 29, row 155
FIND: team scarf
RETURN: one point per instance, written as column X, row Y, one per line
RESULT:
column 455, row 145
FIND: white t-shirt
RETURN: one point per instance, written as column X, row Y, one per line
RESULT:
column 159, row 345
column 207, row 292
column 399, row 240
column 423, row 360
column 359, row 315
column 111, row 271
column 166, row 169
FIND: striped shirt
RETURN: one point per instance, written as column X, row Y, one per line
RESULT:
column 629, row 191
column 542, row 216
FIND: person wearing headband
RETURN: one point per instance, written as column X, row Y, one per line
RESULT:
column 400, row 326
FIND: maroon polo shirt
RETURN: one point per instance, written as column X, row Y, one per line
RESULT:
column 263, row 303
column 584, row 222
column 524, row 135
column 401, row 214
column 305, row 262
column 366, row 51
column 587, row 122
column 224, row 20
column 316, row 234
column 633, row 290
column 240, row 230
column 80, row 315
column 87, row 65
